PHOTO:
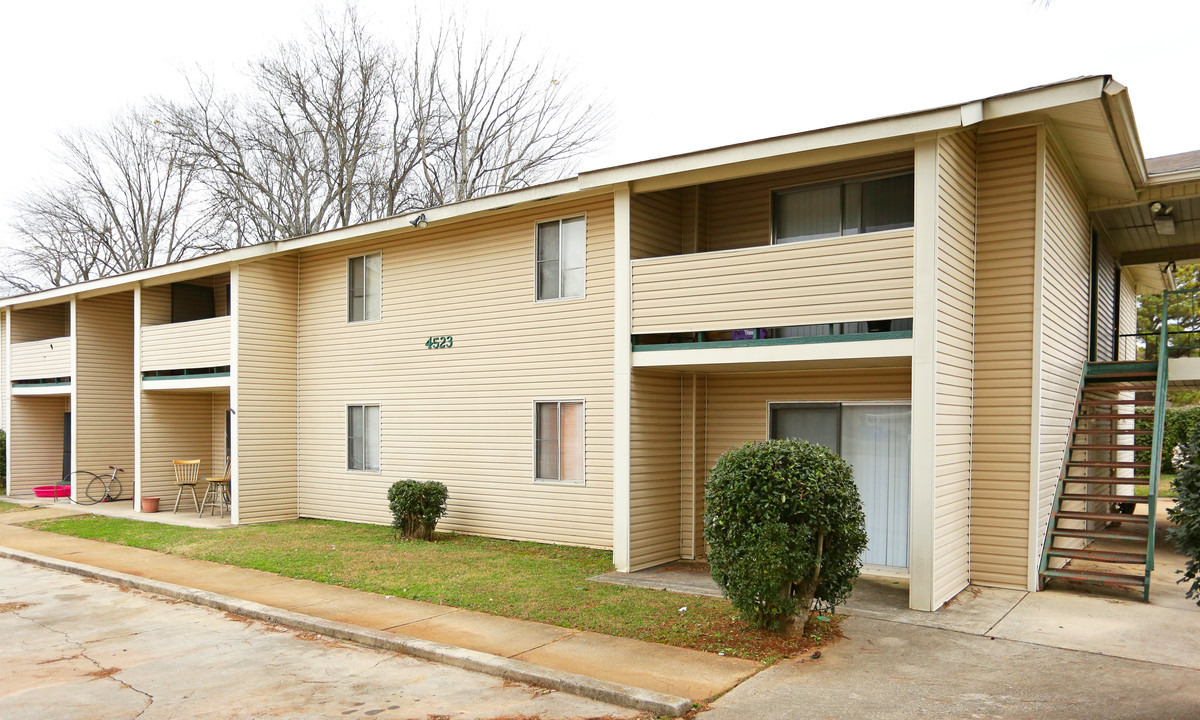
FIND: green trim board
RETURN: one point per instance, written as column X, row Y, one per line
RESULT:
column 768, row 342
column 41, row 382
column 187, row 376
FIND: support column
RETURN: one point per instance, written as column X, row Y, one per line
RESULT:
column 137, row 397
column 622, row 376
column 924, row 376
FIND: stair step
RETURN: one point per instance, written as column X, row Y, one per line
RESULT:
column 1083, row 497
column 1109, row 464
column 1117, row 448
column 1096, row 576
column 1116, row 416
column 1107, row 517
column 1109, row 556
column 1116, row 402
column 1112, row 431
column 1109, row 480
column 1106, row 534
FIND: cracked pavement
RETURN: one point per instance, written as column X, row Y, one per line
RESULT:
column 76, row 648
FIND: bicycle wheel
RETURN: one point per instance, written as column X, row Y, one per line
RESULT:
column 95, row 490
column 81, row 480
column 114, row 488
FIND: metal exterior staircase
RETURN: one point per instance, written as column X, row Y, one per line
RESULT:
column 1093, row 518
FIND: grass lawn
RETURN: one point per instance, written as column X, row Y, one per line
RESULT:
column 1166, row 487
column 544, row 583
column 11, row 507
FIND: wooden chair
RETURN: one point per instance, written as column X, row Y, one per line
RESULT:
column 187, row 474
column 218, row 488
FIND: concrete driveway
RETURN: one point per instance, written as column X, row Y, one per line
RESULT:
column 76, row 648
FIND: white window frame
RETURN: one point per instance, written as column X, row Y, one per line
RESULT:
column 350, row 299
column 537, row 290
column 346, row 434
column 582, row 441
column 840, row 183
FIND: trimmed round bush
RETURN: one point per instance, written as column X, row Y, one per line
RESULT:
column 416, row 507
column 785, row 525
column 1186, row 514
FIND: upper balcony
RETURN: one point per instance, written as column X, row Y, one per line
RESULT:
column 839, row 280
column 48, row 359
column 800, row 257
column 186, row 328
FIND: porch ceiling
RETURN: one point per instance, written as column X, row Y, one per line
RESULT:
column 1131, row 230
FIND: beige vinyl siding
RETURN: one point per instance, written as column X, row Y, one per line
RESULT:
column 220, row 404
column 103, row 385
column 462, row 415
column 1001, row 452
column 1106, row 297
column 1066, row 269
column 156, row 305
column 40, row 323
column 954, row 384
column 738, row 212
column 266, row 478
column 860, row 277
column 35, row 447
column 1127, row 325
column 36, row 359
column 156, row 299
column 692, row 468
column 177, row 425
column 737, row 402
column 654, row 475
column 194, row 344
column 656, row 224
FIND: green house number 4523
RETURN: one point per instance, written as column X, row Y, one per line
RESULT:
column 440, row 343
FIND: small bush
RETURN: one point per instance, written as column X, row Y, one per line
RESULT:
column 1186, row 515
column 785, row 525
column 416, row 507
column 1177, row 427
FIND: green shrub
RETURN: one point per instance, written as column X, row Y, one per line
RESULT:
column 1177, row 427
column 416, row 507
column 1186, row 515
column 785, row 525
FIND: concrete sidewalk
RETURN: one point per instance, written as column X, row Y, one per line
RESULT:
column 658, row 668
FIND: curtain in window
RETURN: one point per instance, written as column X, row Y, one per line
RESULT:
column 572, row 441
column 372, row 277
column 574, row 246
column 354, row 437
column 876, row 441
column 547, row 261
column 371, row 437
column 547, row 441
column 887, row 203
column 808, row 214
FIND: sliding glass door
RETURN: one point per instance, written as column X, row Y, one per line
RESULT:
column 876, row 440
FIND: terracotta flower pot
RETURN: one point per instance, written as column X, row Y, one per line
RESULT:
column 149, row 504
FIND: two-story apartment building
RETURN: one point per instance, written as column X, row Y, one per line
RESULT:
column 921, row 293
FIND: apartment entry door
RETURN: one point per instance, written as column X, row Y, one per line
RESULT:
column 876, row 440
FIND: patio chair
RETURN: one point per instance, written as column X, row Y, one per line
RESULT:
column 218, row 490
column 187, row 474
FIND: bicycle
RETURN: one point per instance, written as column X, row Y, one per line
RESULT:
column 96, row 488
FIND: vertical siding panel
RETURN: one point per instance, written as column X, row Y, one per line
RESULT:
column 267, row 474
column 655, row 224
column 463, row 415
column 1066, row 271
column 104, row 385
column 1004, row 310
column 35, row 448
column 655, row 480
column 955, row 363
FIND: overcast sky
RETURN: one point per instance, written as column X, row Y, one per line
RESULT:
column 680, row 75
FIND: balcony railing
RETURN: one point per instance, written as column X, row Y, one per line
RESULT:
column 42, row 359
column 194, row 344
column 844, row 279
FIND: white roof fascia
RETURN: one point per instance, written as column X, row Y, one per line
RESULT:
column 1120, row 115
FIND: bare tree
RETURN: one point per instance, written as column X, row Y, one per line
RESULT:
column 125, row 203
column 497, row 119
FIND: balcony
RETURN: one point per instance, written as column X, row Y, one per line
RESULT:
column 184, row 345
column 42, row 359
column 837, row 280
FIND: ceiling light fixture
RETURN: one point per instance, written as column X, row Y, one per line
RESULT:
column 1164, row 223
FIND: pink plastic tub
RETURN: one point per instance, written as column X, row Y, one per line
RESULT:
column 54, row 491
